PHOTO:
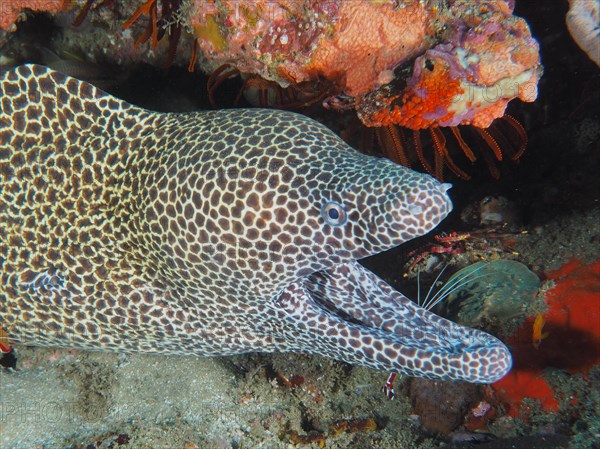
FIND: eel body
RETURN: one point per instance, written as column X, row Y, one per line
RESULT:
column 211, row 233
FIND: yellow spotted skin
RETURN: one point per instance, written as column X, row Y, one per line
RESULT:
column 210, row 233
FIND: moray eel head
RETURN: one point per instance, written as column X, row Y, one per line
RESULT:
column 357, row 206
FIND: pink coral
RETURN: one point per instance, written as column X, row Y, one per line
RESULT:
column 486, row 56
column 356, row 43
column 273, row 39
column 370, row 38
column 483, row 67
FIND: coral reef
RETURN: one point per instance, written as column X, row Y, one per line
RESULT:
column 468, row 79
column 421, row 65
column 433, row 65
column 470, row 58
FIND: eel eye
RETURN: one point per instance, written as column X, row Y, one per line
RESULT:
column 429, row 65
column 334, row 214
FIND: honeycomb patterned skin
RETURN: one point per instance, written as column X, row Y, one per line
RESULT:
column 210, row 233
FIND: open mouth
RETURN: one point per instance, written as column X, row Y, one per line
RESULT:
column 355, row 316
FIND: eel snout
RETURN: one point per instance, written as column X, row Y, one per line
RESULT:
column 348, row 313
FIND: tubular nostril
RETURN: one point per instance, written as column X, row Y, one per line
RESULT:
column 446, row 186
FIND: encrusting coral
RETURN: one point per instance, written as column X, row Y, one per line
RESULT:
column 417, row 64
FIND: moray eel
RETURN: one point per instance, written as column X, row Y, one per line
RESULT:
column 211, row 233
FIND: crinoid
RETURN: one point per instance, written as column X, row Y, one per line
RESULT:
column 157, row 27
column 88, row 6
column 264, row 93
column 437, row 147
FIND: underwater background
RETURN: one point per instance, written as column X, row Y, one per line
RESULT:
column 529, row 226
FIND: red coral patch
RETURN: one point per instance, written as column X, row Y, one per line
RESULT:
column 572, row 344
